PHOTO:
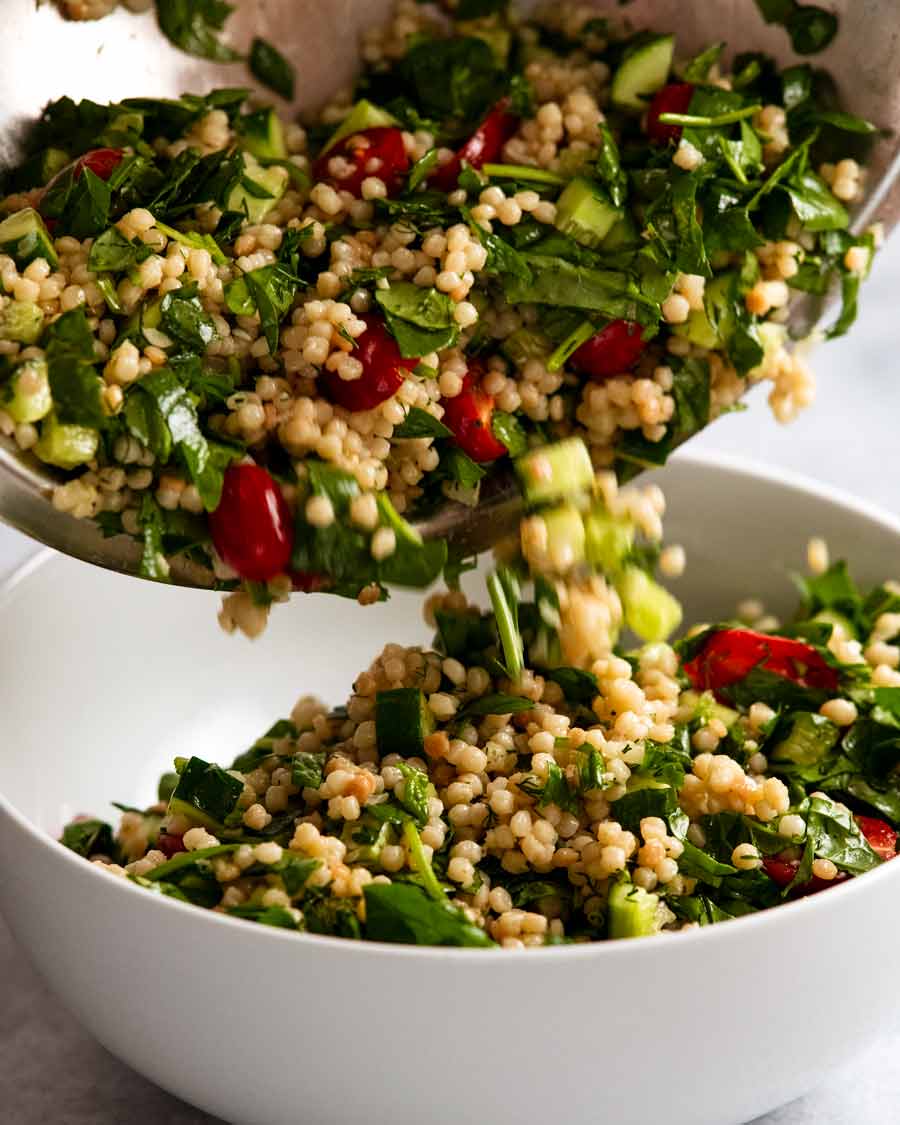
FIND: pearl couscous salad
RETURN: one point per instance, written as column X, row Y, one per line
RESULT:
column 450, row 803
column 265, row 348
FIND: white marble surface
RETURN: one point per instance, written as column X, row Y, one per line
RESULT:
column 849, row 440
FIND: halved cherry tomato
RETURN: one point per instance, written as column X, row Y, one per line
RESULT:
column 252, row 528
column 469, row 416
column 674, row 98
column 783, row 872
column 384, row 370
column 170, row 843
column 882, row 838
column 376, row 152
column 611, row 351
column 730, row 654
column 485, row 146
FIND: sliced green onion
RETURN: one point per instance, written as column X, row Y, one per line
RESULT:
column 571, row 344
column 423, row 867
column 689, row 120
column 523, row 172
column 507, row 626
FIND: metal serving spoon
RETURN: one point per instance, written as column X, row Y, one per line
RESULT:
column 43, row 57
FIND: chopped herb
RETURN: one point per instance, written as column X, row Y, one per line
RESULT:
column 271, row 67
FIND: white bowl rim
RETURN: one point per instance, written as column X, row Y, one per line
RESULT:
column 710, row 935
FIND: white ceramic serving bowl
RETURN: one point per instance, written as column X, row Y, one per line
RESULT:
column 103, row 680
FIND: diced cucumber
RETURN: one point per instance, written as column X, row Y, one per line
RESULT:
column 839, row 621
column 809, row 739
column 364, row 115
column 772, row 336
column 623, row 233
column 711, row 326
column 650, row 611
column 26, row 396
column 205, row 793
column 262, row 134
column 525, row 344
column 584, row 212
column 631, row 911
column 555, row 472
column 273, row 181
column 608, row 539
column 643, row 70
column 565, row 536
column 24, row 237
column 403, row 720
column 22, row 321
column 65, row 446
column 705, row 707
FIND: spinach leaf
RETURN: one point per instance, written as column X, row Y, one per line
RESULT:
column 421, row 320
column 811, row 28
column 206, row 792
column 403, row 912
column 421, row 170
column 293, row 870
column 460, row 467
column 502, row 259
column 608, row 167
column 697, row 69
column 74, row 383
column 194, row 25
column 456, row 78
column 814, row 205
column 494, row 704
column 264, row 915
column 153, row 560
column 673, row 228
column 418, row 423
column 206, row 460
column 777, row 690
column 832, row 833
column 112, row 251
column 271, row 67
column 182, row 317
column 554, row 281
column 652, row 800
column 578, row 686
column 79, row 202
column 507, row 429
column 89, row 837
column 269, row 291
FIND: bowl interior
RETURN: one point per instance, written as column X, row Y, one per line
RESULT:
column 104, row 679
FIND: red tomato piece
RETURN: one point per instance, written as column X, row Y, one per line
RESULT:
column 882, row 838
column 611, row 351
column 783, row 871
column 252, row 528
column 101, row 161
column 485, row 146
column 170, row 843
column 730, row 654
column 674, row 98
column 469, row 415
column 370, row 152
column 384, row 370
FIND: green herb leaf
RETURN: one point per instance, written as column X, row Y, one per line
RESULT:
column 456, row 77
column 182, row 317
column 495, row 704
column 112, row 251
column 421, row 320
column 578, row 686
column 206, row 792
column 271, row 67
column 194, row 25
column 814, row 205
column 74, row 383
column 507, row 429
column 89, row 837
column 418, row 423
column 403, row 912
column 153, row 561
